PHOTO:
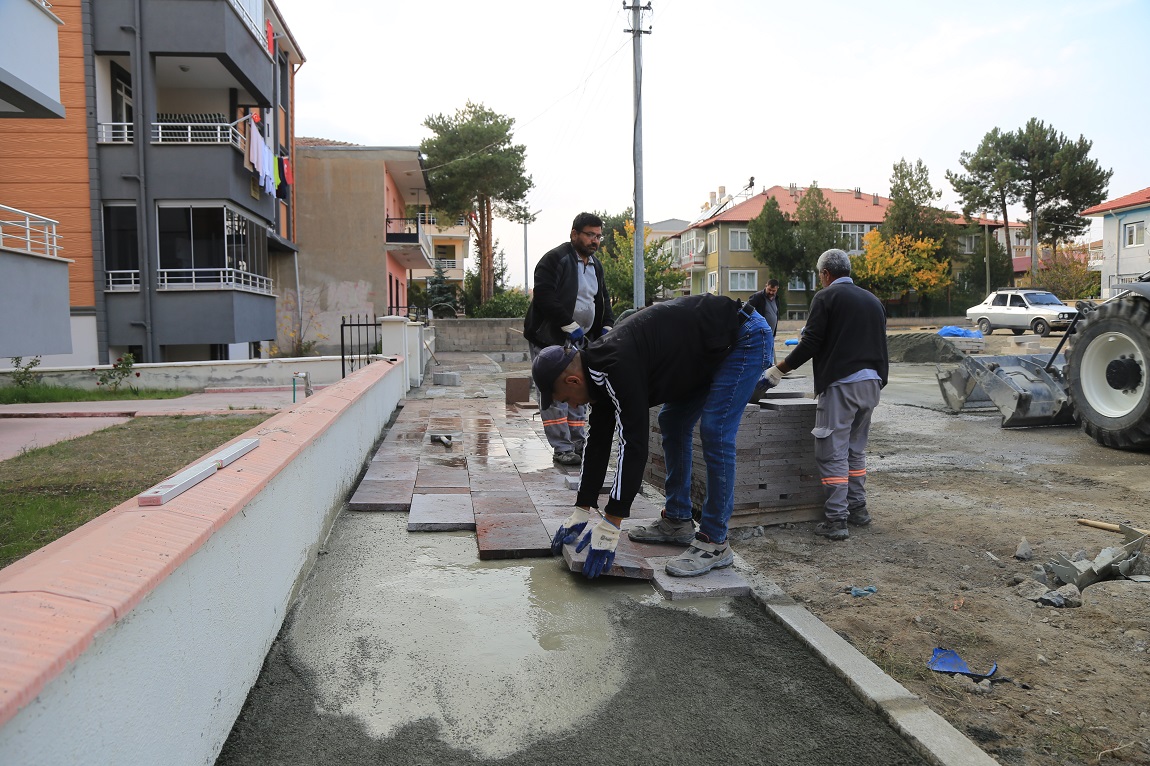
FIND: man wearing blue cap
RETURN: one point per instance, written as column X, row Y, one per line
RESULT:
column 699, row 357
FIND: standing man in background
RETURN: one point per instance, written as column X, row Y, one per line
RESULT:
column 569, row 305
column 766, row 302
column 846, row 336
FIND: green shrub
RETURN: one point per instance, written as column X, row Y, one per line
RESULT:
column 512, row 303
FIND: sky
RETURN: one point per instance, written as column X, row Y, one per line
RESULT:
column 819, row 91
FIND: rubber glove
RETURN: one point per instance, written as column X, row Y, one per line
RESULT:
column 576, row 335
column 603, row 539
column 574, row 524
column 774, row 375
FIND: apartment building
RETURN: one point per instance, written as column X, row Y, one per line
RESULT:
column 34, row 313
column 1124, row 254
column 172, row 172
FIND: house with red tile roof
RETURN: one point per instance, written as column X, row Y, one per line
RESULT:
column 1125, row 250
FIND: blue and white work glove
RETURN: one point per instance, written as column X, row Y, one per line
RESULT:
column 571, row 528
column 576, row 335
column 774, row 375
column 603, row 539
column 604, row 331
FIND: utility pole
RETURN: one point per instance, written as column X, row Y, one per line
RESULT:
column 640, row 231
column 986, row 241
column 526, row 270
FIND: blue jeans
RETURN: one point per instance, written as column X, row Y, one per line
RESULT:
column 718, row 411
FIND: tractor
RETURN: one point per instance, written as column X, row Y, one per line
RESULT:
column 1101, row 383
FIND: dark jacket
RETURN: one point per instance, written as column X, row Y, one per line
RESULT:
column 666, row 352
column 553, row 300
column 845, row 333
column 768, row 309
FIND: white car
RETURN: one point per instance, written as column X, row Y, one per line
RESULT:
column 1020, row 309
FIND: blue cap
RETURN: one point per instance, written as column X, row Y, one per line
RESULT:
column 547, row 367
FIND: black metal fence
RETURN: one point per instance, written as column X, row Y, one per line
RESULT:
column 360, row 342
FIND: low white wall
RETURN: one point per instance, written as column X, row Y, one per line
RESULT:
column 408, row 342
column 165, row 683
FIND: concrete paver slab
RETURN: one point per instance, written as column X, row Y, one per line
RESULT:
column 440, row 513
column 441, row 477
column 717, row 582
column 498, row 502
column 511, row 536
column 382, row 495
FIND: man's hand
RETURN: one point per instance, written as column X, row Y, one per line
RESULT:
column 774, row 375
column 574, row 524
column 604, row 331
column 576, row 335
column 603, row 538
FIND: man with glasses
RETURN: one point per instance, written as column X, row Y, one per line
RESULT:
column 846, row 336
column 569, row 306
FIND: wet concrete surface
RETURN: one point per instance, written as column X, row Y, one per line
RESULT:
column 406, row 648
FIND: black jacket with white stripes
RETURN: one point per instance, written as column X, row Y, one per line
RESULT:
column 666, row 352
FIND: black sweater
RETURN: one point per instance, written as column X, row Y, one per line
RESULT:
column 553, row 300
column 666, row 352
column 845, row 333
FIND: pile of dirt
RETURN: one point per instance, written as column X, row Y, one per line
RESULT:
column 922, row 347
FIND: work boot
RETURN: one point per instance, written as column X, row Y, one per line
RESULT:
column 567, row 458
column 664, row 530
column 701, row 558
column 832, row 530
column 858, row 517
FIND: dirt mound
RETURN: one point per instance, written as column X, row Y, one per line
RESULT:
column 921, row 347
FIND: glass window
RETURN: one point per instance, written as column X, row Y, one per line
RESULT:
column 739, row 240
column 999, row 300
column 713, row 241
column 1135, row 234
column 175, row 225
column 712, row 281
column 121, row 246
column 742, row 280
column 1016, row 302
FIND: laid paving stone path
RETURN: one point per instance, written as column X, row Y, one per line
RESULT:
column 457, row 457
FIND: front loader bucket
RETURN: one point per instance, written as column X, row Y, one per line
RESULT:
column 1023, row 390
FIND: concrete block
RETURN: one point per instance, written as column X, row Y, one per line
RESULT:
column 446, row 379
column 717, row 582
column 517, row 390
column 382, row 495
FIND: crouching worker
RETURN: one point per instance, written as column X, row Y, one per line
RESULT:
column 699, row 357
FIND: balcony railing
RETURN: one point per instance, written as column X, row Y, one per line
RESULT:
column 253, row 27
column 28, row 233
column 115, row 132
column 191, row 279
column 198, row 133
column 122, row 281
column 429, row 219
column 688, row 260
column 446, row 263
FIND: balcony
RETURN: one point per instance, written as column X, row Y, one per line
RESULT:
column 411, row 248
column 29, row 60
column 693, row 260
column 34, row 303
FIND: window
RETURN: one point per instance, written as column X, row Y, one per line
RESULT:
column 1135, row 234
column 999, row 300
column 712, row 281
column 210, row 238
column 742, row 280
column 854, row 233
column 739, row 240
column 121, row 246
column 1016, row 302
column 796, row 283
column 713, row 241
column 122, row 105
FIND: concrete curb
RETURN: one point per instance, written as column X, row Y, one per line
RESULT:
column 927, row 732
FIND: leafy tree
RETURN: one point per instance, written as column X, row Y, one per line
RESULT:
column 892, row 266
column 818, row 231
column 1050, row 175
column 475, row 172
column 774, row 242
column 661, row 271
column 614, row 225
column 1067, row 274
column 973, row 274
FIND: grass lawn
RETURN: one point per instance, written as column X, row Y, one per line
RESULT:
column 47, row 492
column 38, row 393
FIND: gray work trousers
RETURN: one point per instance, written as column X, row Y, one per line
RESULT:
column 842, row 426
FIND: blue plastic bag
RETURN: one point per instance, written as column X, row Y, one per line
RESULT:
column 951, row 331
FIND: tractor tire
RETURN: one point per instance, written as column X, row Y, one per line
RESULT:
column 1108, row 374
column 1040, row 327
column 984, row 326
column 1018, row 331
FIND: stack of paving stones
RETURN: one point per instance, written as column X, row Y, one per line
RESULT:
column 776, row 476
column 486, row 466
